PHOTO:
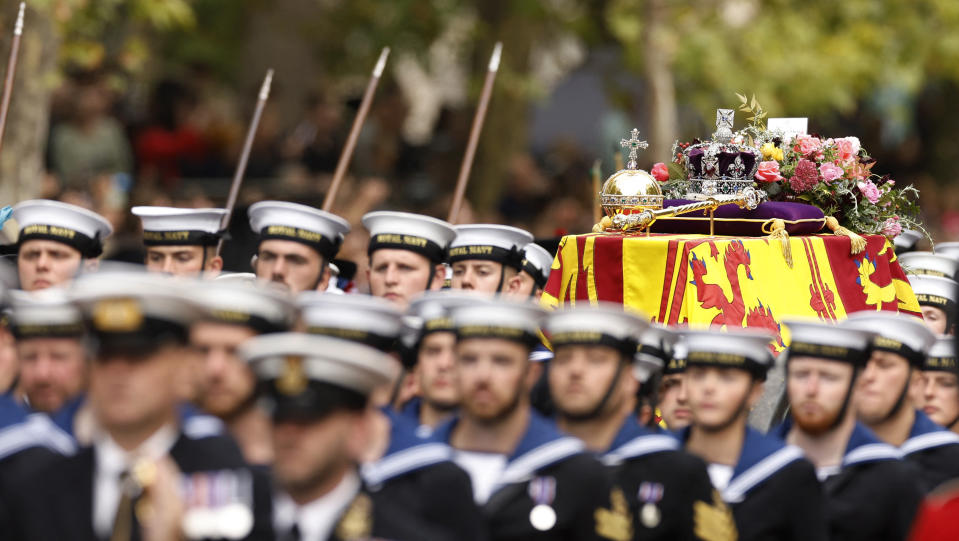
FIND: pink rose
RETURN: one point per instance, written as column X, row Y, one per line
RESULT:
column 660, row 172
column 891, row 228
column 807, row 144
column 768, row 172
column 870, row 191
column 830, row 171
column 848, row 148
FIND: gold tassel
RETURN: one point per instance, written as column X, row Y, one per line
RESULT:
column 856, row 242
column 778, row 232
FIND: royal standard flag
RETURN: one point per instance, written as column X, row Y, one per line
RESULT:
column 700, row 280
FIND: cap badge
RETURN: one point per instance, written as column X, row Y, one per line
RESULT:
column 117, row 315
column 293, row 380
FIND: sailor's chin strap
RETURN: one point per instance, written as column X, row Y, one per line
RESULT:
column 846, row 400
column 601, row 405
column 902, row 397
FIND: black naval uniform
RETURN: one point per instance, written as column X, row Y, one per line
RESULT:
column 57, row 502
column 874, row 495
column 774, row 492
column 551, row 470
column 418, row 476
column 934, row 450
column 669, row 492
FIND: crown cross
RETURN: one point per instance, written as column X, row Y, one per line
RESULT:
column 633, row 144
column 724, row 125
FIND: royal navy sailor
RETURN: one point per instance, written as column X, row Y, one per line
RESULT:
column 531, row 481
column 182, row 242
column 593, row 379
column 57, row 242
column 235, row 312
column 937, row 298
column 143, row 450
column 407, row 254
column 531, row 280
column 771, row 488
column 296, row 244
column 672, row 397
column 939, row 398
column 887, row 397
column 871, row 494
column 930, row 264
column 50, row 334
column 485, row 257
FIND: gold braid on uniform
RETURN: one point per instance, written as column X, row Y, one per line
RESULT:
column 714, row 522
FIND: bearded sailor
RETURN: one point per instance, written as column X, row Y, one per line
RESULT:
column 771, row 488
column 886, row 402
column 594, row 378
column 531, row 481
column 182, row 242
column 871, row 494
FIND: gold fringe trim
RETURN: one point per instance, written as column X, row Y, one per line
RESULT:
column 778, row 232
column 856, row 242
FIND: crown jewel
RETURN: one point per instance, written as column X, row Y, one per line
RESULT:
column 720, row 166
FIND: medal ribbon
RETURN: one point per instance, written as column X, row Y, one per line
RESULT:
column 542, row 490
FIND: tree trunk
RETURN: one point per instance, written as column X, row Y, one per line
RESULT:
column 659, row 50
column 22, row 160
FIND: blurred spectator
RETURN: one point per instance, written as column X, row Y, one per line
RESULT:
column 317, row 140
column 526, row 190
column 169, row 147
column 90, row 141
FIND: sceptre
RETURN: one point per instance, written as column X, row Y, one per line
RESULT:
column 245, row 155
column 11, row 71
column 475, row 134
column 347, row 155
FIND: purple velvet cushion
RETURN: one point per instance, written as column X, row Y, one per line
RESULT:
column 800, row 219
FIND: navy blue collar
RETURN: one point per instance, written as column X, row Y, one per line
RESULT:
column 926, row 434
column 634, row 440
column 863, row 446
column 21, row 430
column 761, row 457
column 407, row 452
column 541, row 446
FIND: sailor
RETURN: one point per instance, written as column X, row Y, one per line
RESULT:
column 429, row 341
column 672, row 397
column 51, row 348
column 142, row 451
column 870, row 493
column 937, row 299
column 182, row 242
column 531, row 280
column 531, row 481
column 235, row 312
column 57, row 242
column 318, row 390
column 886, row 399
column 296, row 244
column 930, row 264
column 485, row 257
column 907, row 240
column 771, row 488
column 939, row 398
column 407, row 254
column 404, row 466
column 594, row 379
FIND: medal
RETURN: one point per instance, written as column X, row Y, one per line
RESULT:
column 543, row 491
column 650, row 494
column 235, row 521
column 542, row 517
column 649, row 515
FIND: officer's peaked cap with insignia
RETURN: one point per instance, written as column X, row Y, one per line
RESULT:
column 360, row 318
column 499, row 243
column 537, row 262
column 499, row 318
column 942, row 355
column 168, row 226
column 47, row 313
column 288, row 362
column 813, row 338
column 746, row 349
column 416, row 233
column 257, row 305
column 929, row 264
column 898, row 333
column 77, row 227
column 320, row 230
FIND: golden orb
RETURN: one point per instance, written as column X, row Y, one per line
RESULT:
column 630, row 190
